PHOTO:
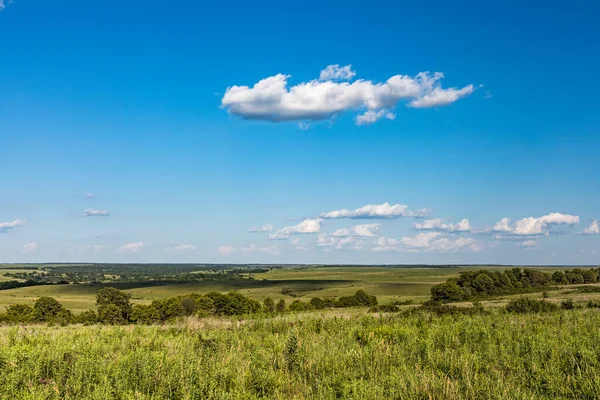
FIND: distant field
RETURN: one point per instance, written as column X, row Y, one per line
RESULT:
column 387, row 283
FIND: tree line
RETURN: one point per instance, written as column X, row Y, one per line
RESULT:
column 473, row 285
column 114, row 307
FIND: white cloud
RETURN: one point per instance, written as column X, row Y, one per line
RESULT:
column 132, row 248
column 264, row 228
column 532, row 226
column 298, row 244
column 335, row 72
column 369, row 117
column 376, row 211
column 530, row 245
column 439, row 97
column 8, row 226
column 430, row 242
column 227, row 250
column 181, row 248
column 252, row 248
column 96, row 213
column 88, row 248
column 338, row 243
column 278, row 236
column 593, row 229
column 436, row 242
column 90, row 195
column 271, row 99
column 29, row 247
column 306, row 226
column 364, row 230
column 436, row 224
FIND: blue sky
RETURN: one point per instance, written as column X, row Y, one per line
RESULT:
column 152, row 108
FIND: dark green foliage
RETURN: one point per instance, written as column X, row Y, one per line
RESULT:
column 113, row 305
column 359, row 299
column 47, row 309
column 319, row 303
column 88, row 317
column 384, row 308
column 297, row 305
column 567, row 304
column 588, row 289
column 145, row 314
column 545, row 294
column 280, row 307
column 291, row 355
column 593, row 304
column 526, row 305
column 446, row 292
column 19, row 313
column 269, row 305
column 479, row 284
column 590, row 276
column 402, row 302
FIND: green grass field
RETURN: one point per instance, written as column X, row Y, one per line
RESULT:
column 387, row 283
column 311, row 356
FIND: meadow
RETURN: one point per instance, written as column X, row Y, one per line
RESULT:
column 388, row 283
column 345, row 355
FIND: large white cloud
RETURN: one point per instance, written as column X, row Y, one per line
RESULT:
column 96, row 213
column 593, row 229
column 364, row 230
column 271, row 99
column 132, row 248
column 8, row 226
column 437, row 224
column 375, row 211
column 534, row 226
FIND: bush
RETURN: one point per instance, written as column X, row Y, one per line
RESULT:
column 526, row 305
column 19, row 313
column 297, row 305
column 387, row 308
column 269, row 305
column 567, row 304
column 88, row 317
column 360, row 298
column 280, row 307
column 446, row 292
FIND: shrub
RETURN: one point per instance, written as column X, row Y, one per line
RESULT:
column 297, row 305
column 526, row 305
column 88, row 317
column 47, row 309
column 446, row 292
column 280, row 307
column 19, row 313
column 567, row 304
column 388, row 308
column 269, row 305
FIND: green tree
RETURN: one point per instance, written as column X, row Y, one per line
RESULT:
column 446, row 292
column 590, row 276
column 269, row 305
column 108, row 300
column 48, row 309
column 19, row 313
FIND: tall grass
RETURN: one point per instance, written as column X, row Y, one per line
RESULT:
column 420, row 356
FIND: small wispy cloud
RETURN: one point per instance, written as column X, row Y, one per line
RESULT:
column 90, row 195
column 180, row 248
column 132, row 248
column 96, row 213
column 264, row 228
column 29, row 247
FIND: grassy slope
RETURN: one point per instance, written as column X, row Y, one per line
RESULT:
column 310, row 356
